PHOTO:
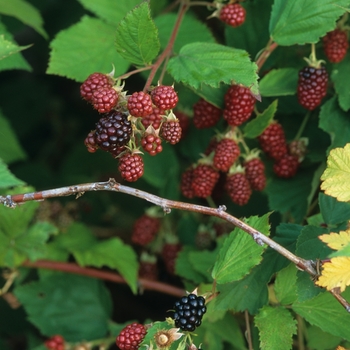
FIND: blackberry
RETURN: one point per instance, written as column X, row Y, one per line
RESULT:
column 189, row 311
column 113, row 131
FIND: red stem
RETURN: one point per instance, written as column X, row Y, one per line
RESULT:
column 271, row 45
column 103, row 275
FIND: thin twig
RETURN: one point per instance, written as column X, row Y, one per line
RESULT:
column 248, row 331
column 271, row 45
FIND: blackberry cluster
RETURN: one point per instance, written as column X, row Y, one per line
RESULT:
column 189, row 311
column 113, row 131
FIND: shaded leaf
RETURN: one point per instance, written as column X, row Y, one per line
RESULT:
column 320, row 340
column 208, row 63
column 285, row 285
column 336, row 176
column 279, row 82
column 76, row 51
column 7, row 179
column 7, row 48
column 137, row 36
column 333, row 212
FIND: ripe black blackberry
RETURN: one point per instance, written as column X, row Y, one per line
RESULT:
column 189, row 311
column 113, row 131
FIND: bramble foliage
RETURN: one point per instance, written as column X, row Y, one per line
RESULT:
column 260, row 76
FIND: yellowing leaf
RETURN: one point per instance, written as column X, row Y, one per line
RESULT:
column 336, row 177
column 336, row 241
column 340, row 348
column 335, row 273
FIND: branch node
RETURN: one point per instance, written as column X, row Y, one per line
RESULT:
column 9, row 203
column 257, row 239
column 166, row 210
column 221, row 208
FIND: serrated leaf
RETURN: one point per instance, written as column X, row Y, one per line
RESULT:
column 189, row 24
column 336, row 241
column 75, row 307
column 209, row 63
column 335, row 274
column 10, row 148
column 7, row 48
column 255, row 127
column 110, row 10
column 303, row 21
column 333, row 212
column 7, row 179
column 25, row 12
column 112, row 253
column 268, row 321
column 340, row 74
column 338, row 127
column 137, row 36
column 279, row 82
column 85, row 48
column 285, row 285
column 336, row 176
column 240, row 253
column 326, row 312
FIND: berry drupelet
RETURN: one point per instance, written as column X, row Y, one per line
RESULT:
column 131, row 336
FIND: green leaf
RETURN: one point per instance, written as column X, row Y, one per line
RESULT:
column 112, row 253
column 25, row 12
column 137, row 36
column 214, row 95
column 269, row 320
column 333, row 211
column 255, row 127
column 306, row 288
column 203, row 261
column 340, row 74
column 279, row 82
column 208, row 63
column 320, row 340
column 303, row 21
column 240, row 253
column 6, row 178
column 85, row 48
column 110, row 10
column 75, row 307
column 10, row 148
column 7, row 48
column 325, row 312
column 285, row 285
column 189, row 24
column 338, row 127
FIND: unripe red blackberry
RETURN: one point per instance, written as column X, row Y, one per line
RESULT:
column 94, row 82
column 145, row 229
column 186, row 183
column 170, row 252
column 164, row 97
column 140, row 104
column 287, row 166
column 232, row 14
column 255, row 173
column 171, row 131
column 56, row 342
column 184, row 121
column 90, row 142
column 205, row 115
column 238, row 188
column 154, row 119
column 131, row 166
column 104, row 99
column 204, row 180
column 148, row 270
column 312, row 86
column 131, row 336
column 239, row 105
column 113, row 131
column 335, row 45
column 226, row 153
column 151, row 143
column 273, row 141
column 189, row 311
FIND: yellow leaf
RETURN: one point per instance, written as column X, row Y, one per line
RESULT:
column 336, row 177
column 335, row 273
column 336, row 241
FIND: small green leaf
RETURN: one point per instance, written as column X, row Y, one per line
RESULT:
column 7, row 179
column 10, row 148
column 333, row 211
column 25, row 12
column 75, row 307
column 325, row 312
column 285, row 285
column 255, row 127
column 279, row 82
column 240, row 253
column 7, row 48
column 208, row 63
column 110, row 10
column 340, row 74
column 338, row 127
column 303, row 21
column 112, row 253
column 269, row 320
column 137, row 36
column 85, row 48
